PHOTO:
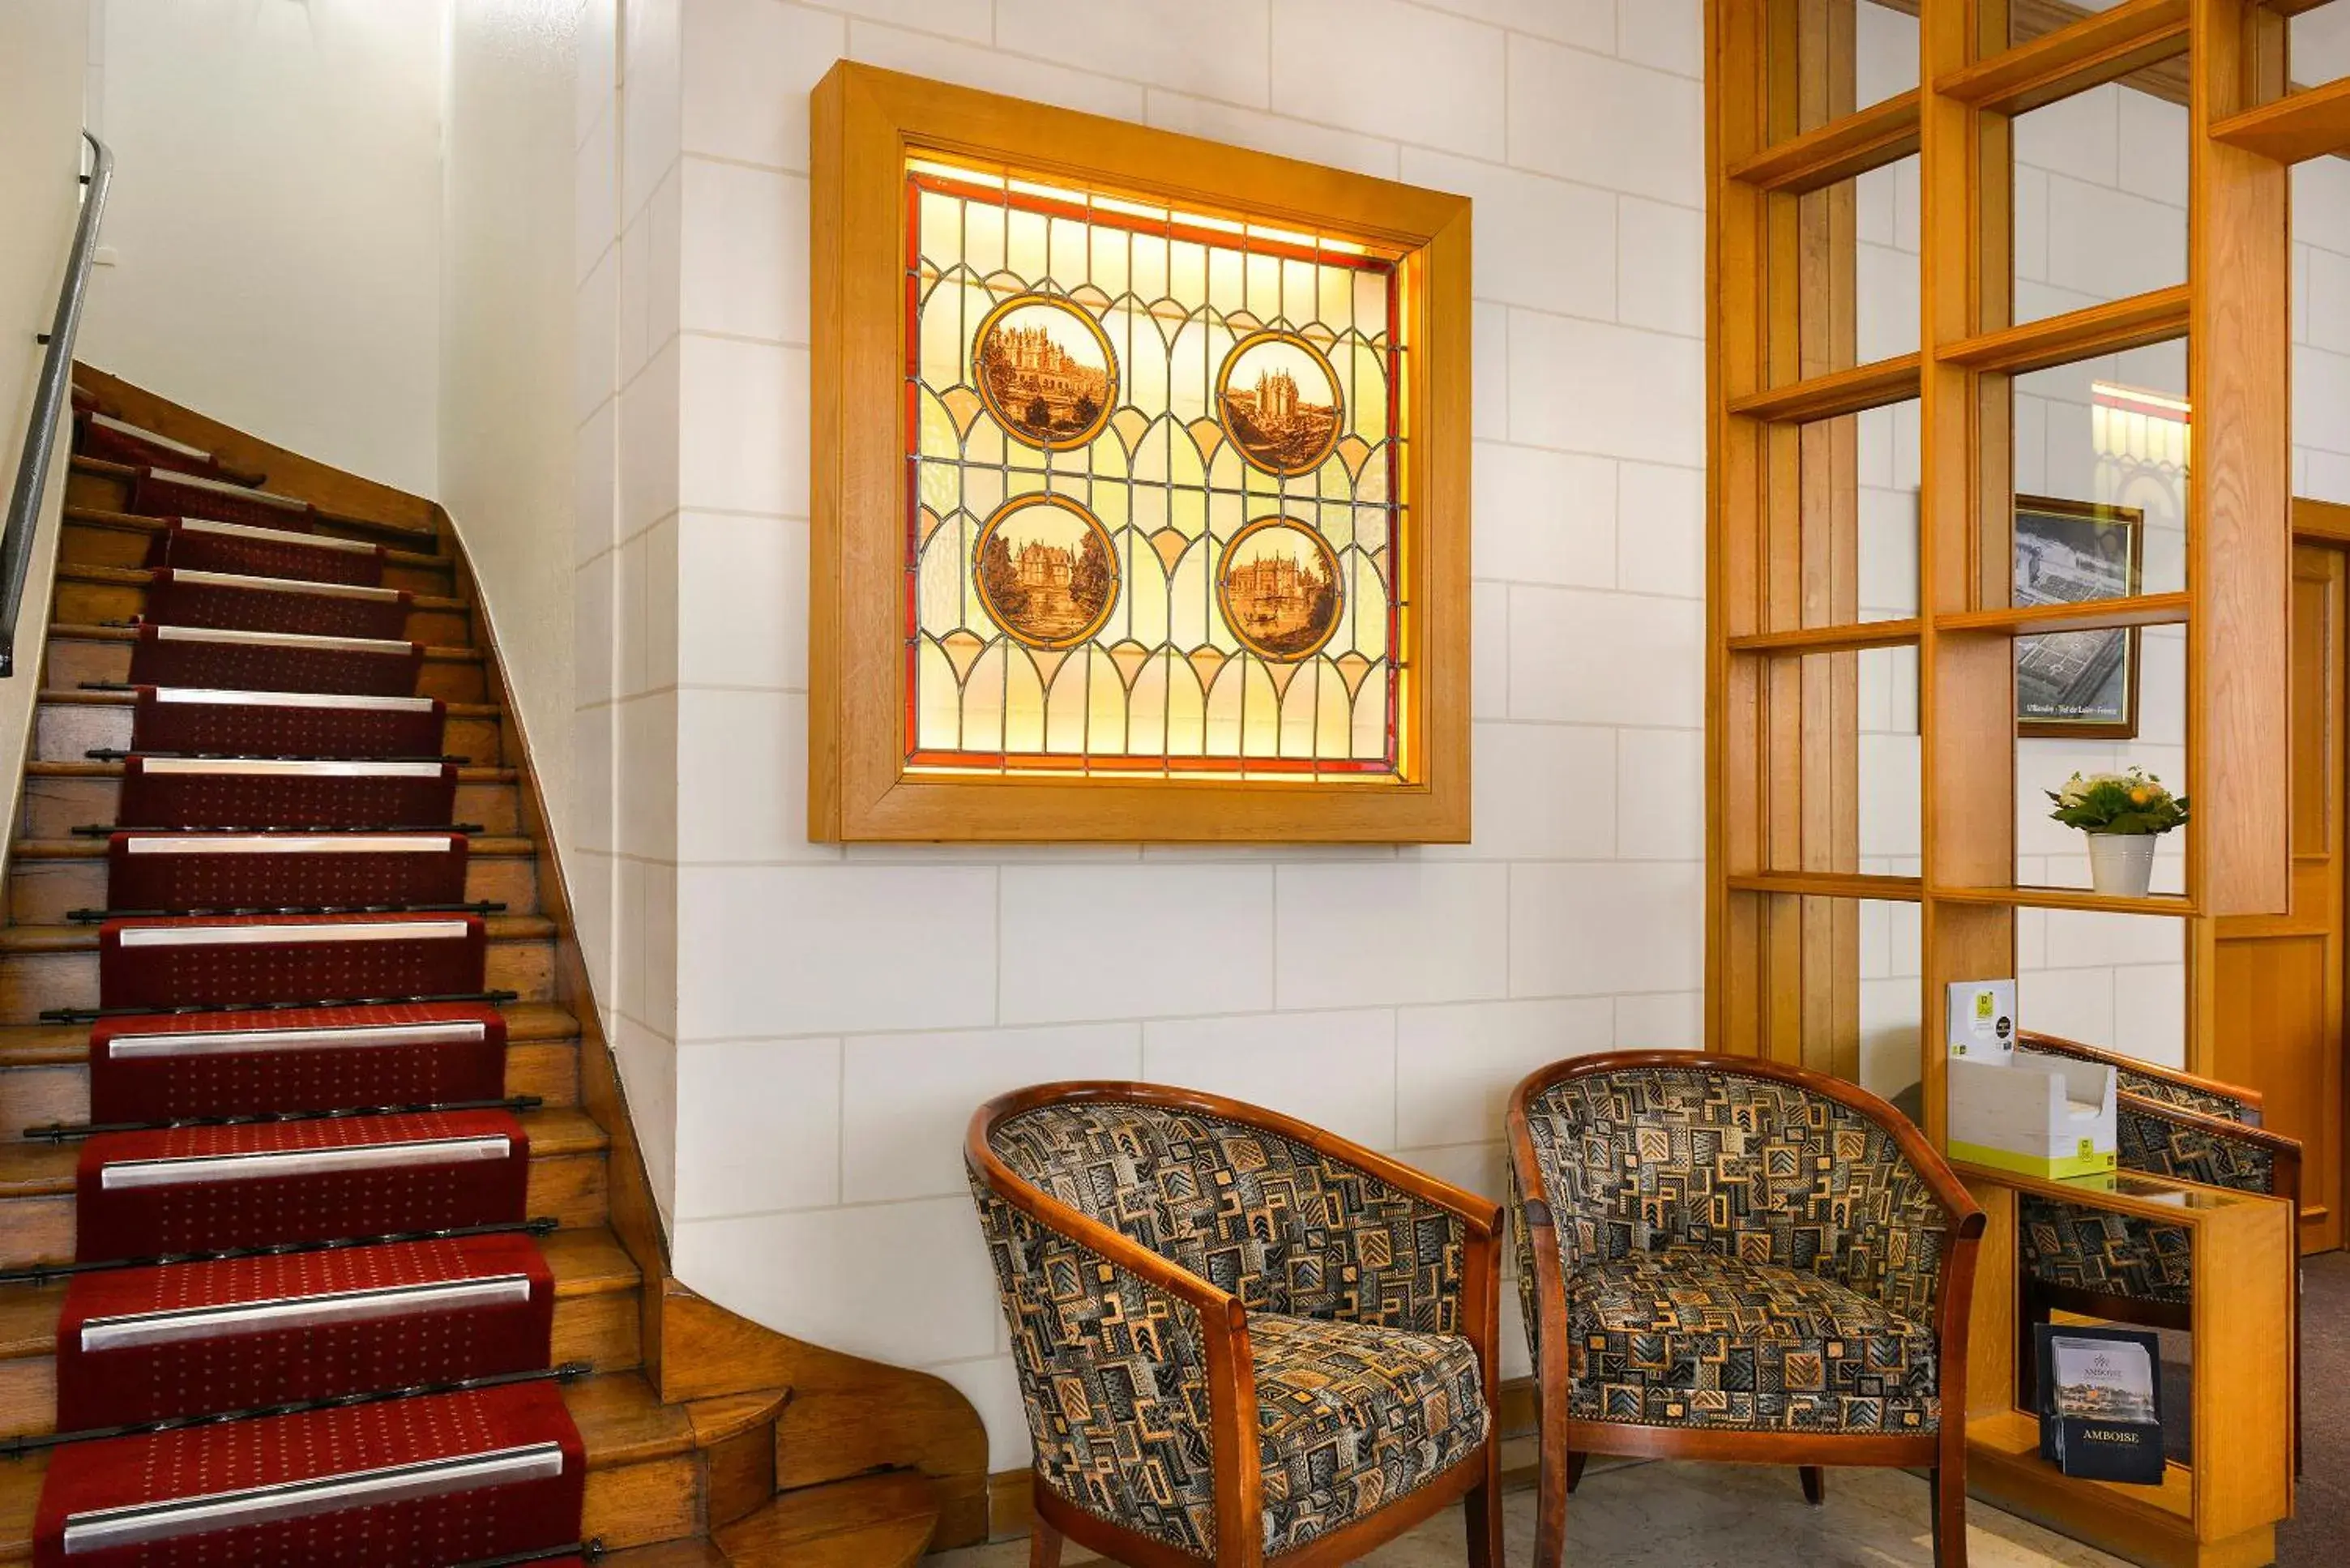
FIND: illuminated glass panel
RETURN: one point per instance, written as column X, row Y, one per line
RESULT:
column 1155, row 522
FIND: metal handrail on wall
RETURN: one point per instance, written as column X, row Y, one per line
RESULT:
column 49, row 403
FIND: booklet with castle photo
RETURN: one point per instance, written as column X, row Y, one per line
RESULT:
column 2101, row 1402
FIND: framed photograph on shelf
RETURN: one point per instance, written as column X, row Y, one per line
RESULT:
column 2077, row 685
column 1140, row 475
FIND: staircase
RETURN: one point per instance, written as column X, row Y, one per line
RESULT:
column 327, row 1133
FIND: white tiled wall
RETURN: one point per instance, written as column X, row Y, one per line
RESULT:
column 631, row 288
column 840, row 1014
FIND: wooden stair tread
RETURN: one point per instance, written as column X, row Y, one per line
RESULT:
column 590, row 1262
column 694, row 1552
column 68, row 631
column 74, row 697
column 20, row 1494
column 499, row 846
column 47, row 1169
column 101, row 468
column 873, row 1521
column 133, row 521
column 28, row 1321
column 623, row 1421
column 84, row 938
column 142, row 576
column 68, row 1044
column 138, row 522
column 90, row 769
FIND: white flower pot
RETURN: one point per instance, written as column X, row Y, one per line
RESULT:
column 2121, row 863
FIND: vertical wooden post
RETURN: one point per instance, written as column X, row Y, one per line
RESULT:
column 1967, row 683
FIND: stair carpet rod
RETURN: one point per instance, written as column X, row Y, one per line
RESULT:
column 590, row 1550
column 108, row 829
column 117, row 754
column 42, row 1274
column 67, row 1132
column 92, row 1014
column 18, row 1447
column 94, row 917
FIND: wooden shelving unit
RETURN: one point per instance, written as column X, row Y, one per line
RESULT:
column 1784, row 136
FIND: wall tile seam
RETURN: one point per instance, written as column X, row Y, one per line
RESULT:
column 611, row 395
column 729, row 161
column 713, row 335
column 652, row 356
column 1620, row 325
column 625, row 540
column 738, row 686
column 1526, row 445
column 1149, row 88
column 643, row 214
column 649, row 1029
column 750, row 514
column 1003, row 1025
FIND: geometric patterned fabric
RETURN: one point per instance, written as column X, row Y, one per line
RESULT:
column 2151, row 1084
column 1670, row 1339
column 1349, row 1419
column 2128, row 1256
column 1738, row 1251
column 1353, row 1290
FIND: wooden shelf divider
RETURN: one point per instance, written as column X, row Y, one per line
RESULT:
column 1847, row 638
column 2025, row 896
column 2090, row 615
column 2293, row 129
column 2099, row 49
column 1883, row 133
column 1835, row 394
column 1831, row 885
column 2133, row 323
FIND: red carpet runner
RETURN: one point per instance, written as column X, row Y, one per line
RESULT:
column 353, row 1074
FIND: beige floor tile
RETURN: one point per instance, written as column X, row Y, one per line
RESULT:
column 1663, row 1515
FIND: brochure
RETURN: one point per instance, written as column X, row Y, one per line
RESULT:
column 2101, row 1402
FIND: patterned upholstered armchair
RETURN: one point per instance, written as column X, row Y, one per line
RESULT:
column 1240, row 1339
column 1721, row 1258
column 2132, row 1269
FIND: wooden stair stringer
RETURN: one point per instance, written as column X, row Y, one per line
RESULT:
column 840, row 1420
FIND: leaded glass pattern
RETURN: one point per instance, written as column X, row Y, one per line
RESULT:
column 1154, row 522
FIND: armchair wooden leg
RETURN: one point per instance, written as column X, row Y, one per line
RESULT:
column 1559, row 1469
column 1483, row 1508
column 1574, row 1463
column 1816, row 1484
column 1947, row 1488
column 1044, row 1546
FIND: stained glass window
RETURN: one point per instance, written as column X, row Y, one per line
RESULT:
column 1154, row 522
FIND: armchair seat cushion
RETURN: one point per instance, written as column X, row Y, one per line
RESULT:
column 1687, row 1337
column 1350, row 1417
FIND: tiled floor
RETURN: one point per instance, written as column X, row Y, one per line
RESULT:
column 1660, row 1515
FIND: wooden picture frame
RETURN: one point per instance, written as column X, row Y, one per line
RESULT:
column 874, row 136
column 2040, row 518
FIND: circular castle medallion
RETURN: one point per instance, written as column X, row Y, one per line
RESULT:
column 1046, row 572
column 1047, row 371
column 1277, row 585
column 1278, row 400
